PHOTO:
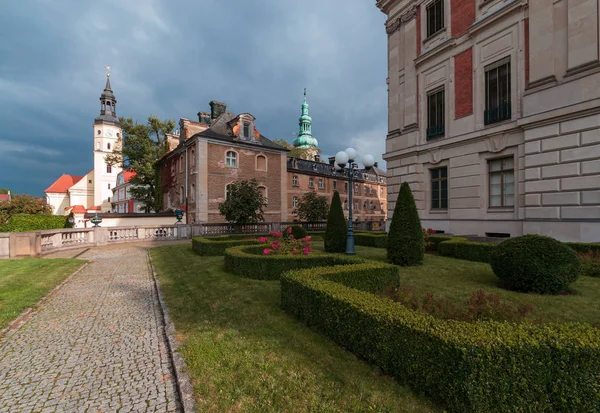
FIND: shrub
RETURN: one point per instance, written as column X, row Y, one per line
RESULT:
column 377, row 240
column 485, row 366
column 336, row 232
column 435, row 240
column 480, row 306
column 250, row 262
column 35, row 222
column 590, row 263
column 214, row 246
column 583, row 246
column 466, row 250
column 286, row 245
column 297, row 231
column 405, row 239
column 535, row 263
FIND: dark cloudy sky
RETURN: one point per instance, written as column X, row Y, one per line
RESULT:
column 170, row 58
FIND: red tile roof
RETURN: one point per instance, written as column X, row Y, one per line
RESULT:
column 62, row 184
column 3, row 197
column 127, row 175
column 78, row 209
column 95, row 208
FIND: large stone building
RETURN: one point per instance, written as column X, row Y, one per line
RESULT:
column 494, row 114
column 92, row 191
column 222, row 148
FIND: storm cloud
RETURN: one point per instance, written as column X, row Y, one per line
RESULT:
column 170, row 58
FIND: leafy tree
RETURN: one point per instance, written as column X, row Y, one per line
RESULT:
column 244, row 203
column 405, row 239
column 312, row 207
column 4, row 190
column 302, row 153
column 139, row 149
column 337, row 230
column 22, row 204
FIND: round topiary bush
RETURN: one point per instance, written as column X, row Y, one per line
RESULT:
column 534, row 263
column 297, row 231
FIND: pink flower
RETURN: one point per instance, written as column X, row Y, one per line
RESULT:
column 305, row 251
column 266, row 251
column 276, row 234
column 263, row 240
column 307, row 238
column 295, row 251
column 289, row 230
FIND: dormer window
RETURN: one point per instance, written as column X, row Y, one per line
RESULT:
column 247, row 130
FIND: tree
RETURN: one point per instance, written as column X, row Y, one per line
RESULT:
column 337, row 230
column 302, row 153
column 139, row 149
column 405, row 239
column 22, row 204
column 312, row 208
column 244, row 203
column 4, row 190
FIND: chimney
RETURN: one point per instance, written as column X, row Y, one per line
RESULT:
column 317, row 158
column 216, row 109
column 332, row 160
column 204, row 118
column 375, row 165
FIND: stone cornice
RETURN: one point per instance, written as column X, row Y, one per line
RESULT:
column 396, row 23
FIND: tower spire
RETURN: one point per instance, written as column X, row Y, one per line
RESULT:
column 305, row 138
column 108, row 102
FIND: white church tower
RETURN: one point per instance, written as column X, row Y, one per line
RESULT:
column 106, row 134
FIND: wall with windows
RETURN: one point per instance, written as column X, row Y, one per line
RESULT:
column 494, row 114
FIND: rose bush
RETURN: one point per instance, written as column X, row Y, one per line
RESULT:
column 287, row 245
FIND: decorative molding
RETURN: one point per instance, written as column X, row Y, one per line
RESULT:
column 435, row 156
column 541, row 82
column 393, row 26
column 582, row 68
column 409, row 15
column 497, row 143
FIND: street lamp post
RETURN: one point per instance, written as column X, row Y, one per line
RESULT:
column 345, row 161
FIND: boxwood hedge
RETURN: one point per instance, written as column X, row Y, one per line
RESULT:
column 248, row 261
column 212, row 246
column 485, row 366
column 467, row 250
column 34, row 222
column 365, row 239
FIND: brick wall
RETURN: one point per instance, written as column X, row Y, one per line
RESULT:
column 463, row 15
column 463, row 83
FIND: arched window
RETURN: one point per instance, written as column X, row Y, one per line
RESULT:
column 99, row 132
column 263, row 191
column 365, row 205
column 346, row 204
column 108, row 169
column 118, row 135
column 193, row 160
column 261, row 163
column 295, row 202
column 227, row 191
column 193, row 193
column 108, row 146
column 231, row 159
column 181, row 161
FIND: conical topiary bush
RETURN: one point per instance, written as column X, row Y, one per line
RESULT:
column 335, row 235
column 405, row 239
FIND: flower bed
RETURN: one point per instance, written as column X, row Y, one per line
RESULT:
column 485, row 366
column 214, row 246
column 251, row 262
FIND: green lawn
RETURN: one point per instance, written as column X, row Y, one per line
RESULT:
column 458, row 279
column 245, row 354
column 24, row 282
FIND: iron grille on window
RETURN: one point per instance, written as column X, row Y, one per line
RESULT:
column 497, row 92
column 435, row 115
column 439, row 188
column 502, row 182
column 435, row 17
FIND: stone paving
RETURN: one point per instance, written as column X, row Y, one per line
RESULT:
column 96, row 345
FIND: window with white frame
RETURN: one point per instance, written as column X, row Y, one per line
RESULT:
column 502, row 182
column 295, row 202
column 311, row 183
column 246, row 130
column 231, row 159
column 295, row 180
column 321, row 185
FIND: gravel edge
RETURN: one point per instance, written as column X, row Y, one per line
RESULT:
column 182, row 379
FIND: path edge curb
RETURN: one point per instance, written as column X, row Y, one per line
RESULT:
column 29, row 312
column 182, row 379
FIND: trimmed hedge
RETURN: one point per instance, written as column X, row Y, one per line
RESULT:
column 214, row 246
column 583, row 246
column 371, row 240
column 249, row 261
column 297, row 231
column 535, row 264
column 436, row 240
column 469, row 367
column 466, row 250
column 34, row 222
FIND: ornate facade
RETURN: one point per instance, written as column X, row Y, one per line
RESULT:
column 494, row 114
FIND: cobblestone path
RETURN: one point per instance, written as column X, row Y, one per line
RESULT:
column 96, row 345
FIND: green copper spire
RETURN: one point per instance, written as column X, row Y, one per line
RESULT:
column 305, row 139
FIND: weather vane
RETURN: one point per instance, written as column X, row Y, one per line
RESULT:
column 107, row 70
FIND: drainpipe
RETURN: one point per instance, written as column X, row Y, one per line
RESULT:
column 186, row 186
